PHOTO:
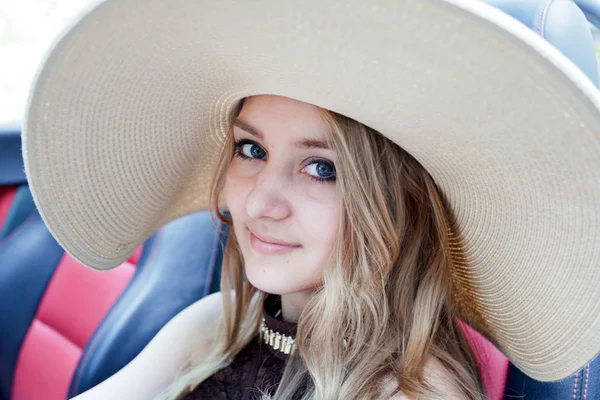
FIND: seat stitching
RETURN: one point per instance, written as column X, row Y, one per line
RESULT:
column 587, row 375
column 542, row 18
column 575, row 386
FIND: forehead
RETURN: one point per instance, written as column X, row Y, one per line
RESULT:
column 285, row 117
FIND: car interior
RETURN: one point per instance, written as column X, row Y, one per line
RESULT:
column 65, row 328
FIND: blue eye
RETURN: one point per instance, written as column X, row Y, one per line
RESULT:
column 249, row 150
column 321, row 170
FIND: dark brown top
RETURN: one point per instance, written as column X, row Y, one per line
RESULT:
column 257, row 367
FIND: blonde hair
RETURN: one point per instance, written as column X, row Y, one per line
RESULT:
column 385, row 297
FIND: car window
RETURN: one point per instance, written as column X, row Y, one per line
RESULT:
column 27, row 28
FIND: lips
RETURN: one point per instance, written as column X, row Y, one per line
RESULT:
column 268, row 245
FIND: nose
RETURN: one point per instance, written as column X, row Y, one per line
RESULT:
column 268, row 199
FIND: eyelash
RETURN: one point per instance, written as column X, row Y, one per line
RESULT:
column 238, row 153
column 238, row 148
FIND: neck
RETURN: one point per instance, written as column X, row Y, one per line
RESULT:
column 292, row 304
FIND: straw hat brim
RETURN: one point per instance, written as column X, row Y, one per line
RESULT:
column 129, row 109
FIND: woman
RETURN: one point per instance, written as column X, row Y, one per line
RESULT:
column 374, row 254
column 351, row 232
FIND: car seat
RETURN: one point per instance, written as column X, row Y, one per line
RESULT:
column 65, row 328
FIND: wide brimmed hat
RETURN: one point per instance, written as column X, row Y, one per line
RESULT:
column 130, row 108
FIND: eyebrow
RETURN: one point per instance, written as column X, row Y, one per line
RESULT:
column 248, row 128
column 312, row 144
column 302, row 143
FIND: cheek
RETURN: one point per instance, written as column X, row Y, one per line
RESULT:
column 320, row 228
column 239, row 181
column 320, row 223
column 235, row 191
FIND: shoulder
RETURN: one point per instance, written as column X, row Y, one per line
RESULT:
column 199, row 320
column 191, row 329
column 436, row 375
column 207, row 307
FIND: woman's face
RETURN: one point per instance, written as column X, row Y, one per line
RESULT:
column 280, row 191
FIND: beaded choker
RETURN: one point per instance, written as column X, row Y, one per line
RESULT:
column 278, row 341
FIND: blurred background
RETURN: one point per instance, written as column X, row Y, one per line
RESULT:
column 27, row 29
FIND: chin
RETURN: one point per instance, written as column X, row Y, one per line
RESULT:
column 277, row 281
